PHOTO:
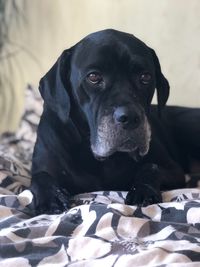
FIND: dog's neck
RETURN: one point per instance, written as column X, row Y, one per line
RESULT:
column 78, row 118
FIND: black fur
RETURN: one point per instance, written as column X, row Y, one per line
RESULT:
column 97, row 136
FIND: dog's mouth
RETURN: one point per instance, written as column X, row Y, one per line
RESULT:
column 111, row 139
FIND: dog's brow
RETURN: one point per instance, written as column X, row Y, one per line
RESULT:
column 135, row 66
column 96, row 66
column 138, row 63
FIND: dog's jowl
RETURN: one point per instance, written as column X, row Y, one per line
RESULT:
column 99, row 131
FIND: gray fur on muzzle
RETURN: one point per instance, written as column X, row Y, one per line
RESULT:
column 111, row 137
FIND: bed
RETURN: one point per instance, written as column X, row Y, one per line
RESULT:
column 98, row 230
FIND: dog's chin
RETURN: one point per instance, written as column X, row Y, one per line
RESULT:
column 100, row 158
column 101, row 153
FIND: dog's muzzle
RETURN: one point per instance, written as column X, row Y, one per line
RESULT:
column 121, row 132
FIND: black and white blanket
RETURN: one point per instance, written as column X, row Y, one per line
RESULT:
column 98, row 230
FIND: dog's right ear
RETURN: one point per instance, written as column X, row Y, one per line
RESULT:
column 162, row 85
column 53, row 87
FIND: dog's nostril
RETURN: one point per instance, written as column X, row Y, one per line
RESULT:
column 121, row 115
column 123, row 118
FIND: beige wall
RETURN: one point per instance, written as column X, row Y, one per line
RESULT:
column 171, row 27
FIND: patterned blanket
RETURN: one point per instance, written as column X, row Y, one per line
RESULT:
column 98, row 230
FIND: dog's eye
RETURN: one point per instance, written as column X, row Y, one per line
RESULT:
column 145, row 78
column 94, row 77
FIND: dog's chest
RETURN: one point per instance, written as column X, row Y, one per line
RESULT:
column 118, row 172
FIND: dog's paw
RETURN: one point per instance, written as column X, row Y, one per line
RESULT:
column 52, row 201
column 143, row 195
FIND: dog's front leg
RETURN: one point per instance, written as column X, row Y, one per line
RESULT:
column 48, row 197
column 146, row 188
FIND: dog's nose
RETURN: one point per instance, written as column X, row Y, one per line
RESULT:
column 122, row 115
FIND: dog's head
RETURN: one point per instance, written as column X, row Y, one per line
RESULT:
column 111, row 77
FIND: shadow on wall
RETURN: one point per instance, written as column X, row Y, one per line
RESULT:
column 35, row 33
column 11, row 16
column 18, row 62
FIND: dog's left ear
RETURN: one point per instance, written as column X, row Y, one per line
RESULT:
column 53, row 87
column 162, row 85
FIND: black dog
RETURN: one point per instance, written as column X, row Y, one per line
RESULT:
column 99, row 131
